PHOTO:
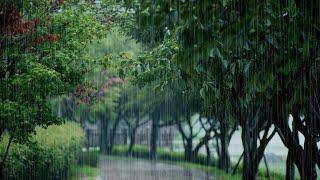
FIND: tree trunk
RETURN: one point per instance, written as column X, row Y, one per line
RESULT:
column 250, row 166
column 290, row 167
column 208, row 154
column 154, row 138
column 188, row 153
column 224, row 158
column 104, row 135
column 112, row 136
column 309, row 167
column 132, row 141
column 290, row 170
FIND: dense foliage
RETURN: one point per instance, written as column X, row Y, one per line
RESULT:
column 254, row 63
column 41, row 57
column 51, row 154
column 232, row 63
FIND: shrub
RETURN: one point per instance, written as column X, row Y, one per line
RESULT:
column 89, row 157
column 141, row 151
column 51, row 154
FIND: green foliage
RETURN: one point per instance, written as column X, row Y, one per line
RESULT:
column 45, row 62
column 52, row 153
column 214, row 171
column 114, row 44
column 89, row 157
column 141, row 151
column 255, row 61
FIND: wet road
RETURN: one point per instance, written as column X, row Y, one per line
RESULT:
column 132, row 169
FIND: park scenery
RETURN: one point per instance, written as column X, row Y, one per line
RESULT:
column 159, row 89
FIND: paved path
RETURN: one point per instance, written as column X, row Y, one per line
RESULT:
column 124, row 169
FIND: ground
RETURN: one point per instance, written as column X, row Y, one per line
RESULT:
column 111, row 168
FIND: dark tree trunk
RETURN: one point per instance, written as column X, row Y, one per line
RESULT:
column 112, row 136
column 188, row 153
column 304, row 158
column 154, row 137
column 104, row 135
column 252, row 153
column 132, row 141
column 290, row 171
column 224, row 158
column 208, row 154
column 218, row 146
column 133, row 133
column 250, row 168
column 309, row 166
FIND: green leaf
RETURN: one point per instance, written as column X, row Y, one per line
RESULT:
column 202, row 93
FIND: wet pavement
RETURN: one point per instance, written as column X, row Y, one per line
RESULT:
column 134, row 169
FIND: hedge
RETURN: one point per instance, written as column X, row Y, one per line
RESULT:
column 51, row 155
column 89, row 157
column 141, row 151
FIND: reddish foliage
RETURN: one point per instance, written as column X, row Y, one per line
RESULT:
column 60, row 1
column 86, row 95
column 115, row 80
column 12, row 22
column 52, row 37
column 49, row 38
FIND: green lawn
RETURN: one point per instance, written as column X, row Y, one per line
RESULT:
column 85, row 172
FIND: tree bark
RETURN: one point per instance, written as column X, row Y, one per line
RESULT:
column 112, row 136
column 224, row 158
column 208, row 154
column 188, row 153
column 132, row 142
column 290, row 171
column 304, row 158
column 154, row 137
column 250, row 169
column 104, row 135
column 252, row 153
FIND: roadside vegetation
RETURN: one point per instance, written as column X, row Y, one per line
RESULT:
column 200, row 163
column 50, row 154
column 207, row 68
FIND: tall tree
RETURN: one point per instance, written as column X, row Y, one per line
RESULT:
column 38, row 62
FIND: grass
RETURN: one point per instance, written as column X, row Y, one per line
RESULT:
column 217, row 173
column 85, row 172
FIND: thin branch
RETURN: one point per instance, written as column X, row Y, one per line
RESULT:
column 143, row 123
column 236, row 167
column 5, row 155
column 267, row 167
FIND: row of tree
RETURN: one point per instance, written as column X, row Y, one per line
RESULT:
column 41, row 45
column 238, row 63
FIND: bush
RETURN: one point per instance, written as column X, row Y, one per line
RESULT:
column 141, row 151
column 89, row 157
column 51, row 155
